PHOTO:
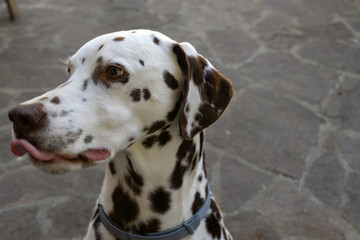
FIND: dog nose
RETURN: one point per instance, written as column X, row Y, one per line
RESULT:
column 27, row 117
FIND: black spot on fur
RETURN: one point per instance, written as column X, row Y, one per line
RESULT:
column 126, row 209
column 186, row 151
column 201, row 144
column 164, row 138
column 215, row 209
column 83, row 60
column 149, row 141
column 213, row 226
column 177, row 175
column 133, row 179
column 84, row 99
column 156, row 41
column 170, row 80
column 183, row 149
column 88, row 139
column 112, row 168
column 55, row 100
column 142, row 62
column 156, row 126
column 84, row 86
column 100, row 47
column 146, row 94
column 160, row 200
column 136, row 95
column 172, row 115
column 119, row 39
column 196, row 70
column 149, row 226
column 197, row 203
column 200, row 178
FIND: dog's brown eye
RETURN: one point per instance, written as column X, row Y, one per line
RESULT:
column 114, row 72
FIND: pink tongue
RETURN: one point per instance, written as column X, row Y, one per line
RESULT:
column 96, row 154
column 20, row 146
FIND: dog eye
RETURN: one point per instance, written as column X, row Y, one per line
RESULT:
column 114, row 72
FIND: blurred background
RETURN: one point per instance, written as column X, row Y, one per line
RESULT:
column 284, row 160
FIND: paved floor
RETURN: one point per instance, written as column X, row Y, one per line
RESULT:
column 284, row 160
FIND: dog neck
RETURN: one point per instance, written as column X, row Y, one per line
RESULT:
column 157, row 183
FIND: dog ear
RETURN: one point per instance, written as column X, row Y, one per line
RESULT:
column 206, row 92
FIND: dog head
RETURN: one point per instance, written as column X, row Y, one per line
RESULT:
column 122, row 86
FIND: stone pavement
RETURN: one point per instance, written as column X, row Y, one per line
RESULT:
column 284, row 160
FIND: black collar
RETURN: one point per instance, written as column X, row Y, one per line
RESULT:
column 176, row 233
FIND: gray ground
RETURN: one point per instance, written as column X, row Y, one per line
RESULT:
column 284, row 160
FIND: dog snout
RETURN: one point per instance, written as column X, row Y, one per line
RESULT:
column 27, row 118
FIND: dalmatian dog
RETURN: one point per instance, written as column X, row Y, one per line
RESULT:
column 139, row 102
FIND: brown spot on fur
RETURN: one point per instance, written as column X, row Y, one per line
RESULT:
column 196, row 71
column 100, row 47
column 43, row 98
column 119, row 39
column 160, row 200
column 55, row 100
column 170, row 80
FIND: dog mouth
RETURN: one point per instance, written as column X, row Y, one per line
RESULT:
column 19, row 147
